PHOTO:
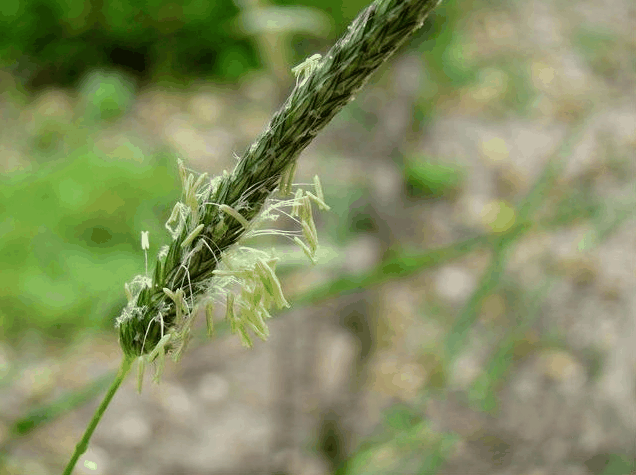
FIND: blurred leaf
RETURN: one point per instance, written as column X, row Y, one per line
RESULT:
column 601, row 48
column 71, row 238
column 447, row 48
column 234, row 61
column 401, row 418
column 125, row 18
column 62, row 405
column 106, row 95
column 428, row 179
column 415, row 448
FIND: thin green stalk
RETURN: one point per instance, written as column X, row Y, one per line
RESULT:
column 81, row 447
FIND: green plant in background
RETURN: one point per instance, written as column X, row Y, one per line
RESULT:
column 216, row 214
column 425, row 178
column 106, row 95
column 407, row 444
column 446, row 47
column 602, row 50
column 610, row 464
column 70, row 246
column 52, row 41
column 45, row 41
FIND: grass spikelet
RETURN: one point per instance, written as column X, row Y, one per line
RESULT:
column 286, row 180
column 192, row 236
column 308, row 252
column 271, row 283
column 298, row 201
column 236, row 215
column 209, row 317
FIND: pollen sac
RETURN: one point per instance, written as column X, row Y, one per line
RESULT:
column 176, row 221
column 145, row 244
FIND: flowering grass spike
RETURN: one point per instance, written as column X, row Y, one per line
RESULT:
column 215, row 214
column 195, row 271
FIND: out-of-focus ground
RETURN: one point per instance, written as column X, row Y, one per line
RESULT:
column 544, row 380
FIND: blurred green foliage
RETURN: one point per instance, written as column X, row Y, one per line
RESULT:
column 52, row 41
column 603, row 50
column 71, row 233
column 106, row 96
column 444, row 46
column 611, row 464
column 405, row 443
column 57, row 41
column 426, row 178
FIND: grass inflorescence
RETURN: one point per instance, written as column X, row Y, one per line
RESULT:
column 214, row 214
column 205, row 260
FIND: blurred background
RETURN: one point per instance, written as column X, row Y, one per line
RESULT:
column 473, row 309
